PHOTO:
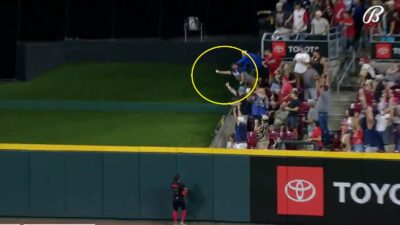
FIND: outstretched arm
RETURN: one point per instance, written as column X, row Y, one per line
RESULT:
column 232, row 90
column 261, row 12
column 324, row 63
column 223, row 72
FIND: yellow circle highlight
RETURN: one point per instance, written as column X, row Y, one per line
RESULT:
column 218, row 47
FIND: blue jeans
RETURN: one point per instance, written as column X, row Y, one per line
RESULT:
column 397, row 139
column 323, row 122
column 357, row 148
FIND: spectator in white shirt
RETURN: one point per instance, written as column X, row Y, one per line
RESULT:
column 300, row 19
column 367, row 72
column 302, row 59
column 319, row 25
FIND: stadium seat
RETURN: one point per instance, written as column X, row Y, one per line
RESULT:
column 193, row 24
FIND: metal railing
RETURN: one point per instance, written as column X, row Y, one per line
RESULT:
column 348, row 65
column 333, row 40
column 390, row 41
column 379, row 38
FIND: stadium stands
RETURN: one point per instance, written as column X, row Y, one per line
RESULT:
column 371, row 96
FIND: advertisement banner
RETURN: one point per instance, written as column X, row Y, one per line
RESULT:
column 288, row 49
column 385, row 50
column 325, row 191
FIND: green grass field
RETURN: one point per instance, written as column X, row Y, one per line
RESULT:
column 121, row 82
column 113, row 82
column 107, row 128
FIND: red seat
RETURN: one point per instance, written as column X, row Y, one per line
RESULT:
column 251, row 140
column 288, row 136
column 304, row 107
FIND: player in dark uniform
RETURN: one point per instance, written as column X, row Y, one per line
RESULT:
column 179, row 191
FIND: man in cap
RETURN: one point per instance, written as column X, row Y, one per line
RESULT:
column 272, row 62
column 179, row 191
column 312, row 116
column 302, row 59
column 246, row 65
column 310, row 82
column 300, row 18
column 319, row 25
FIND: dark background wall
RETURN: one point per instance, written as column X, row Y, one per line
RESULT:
column 54, row 20
column 31, row 54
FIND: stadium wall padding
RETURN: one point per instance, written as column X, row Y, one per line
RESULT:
column 345, row 191
column 275, row 188
column 122, row 185
column 31, row 54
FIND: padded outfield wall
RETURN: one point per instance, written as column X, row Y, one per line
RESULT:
column 30, row 55
column 288, row 187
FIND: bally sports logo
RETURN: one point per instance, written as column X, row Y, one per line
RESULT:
column 373, row 13
column 383, row 50
column 300, row 191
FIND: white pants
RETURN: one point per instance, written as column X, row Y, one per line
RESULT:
column 371, row 149
column 242, row 145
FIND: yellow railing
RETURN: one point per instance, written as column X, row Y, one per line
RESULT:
column 182, row 150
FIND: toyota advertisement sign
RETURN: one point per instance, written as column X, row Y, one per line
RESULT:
column 288, row 49
column 385, row 50
column 325, row 191
column 300, row 191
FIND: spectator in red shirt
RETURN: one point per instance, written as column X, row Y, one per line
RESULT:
column 272, row 62
column 367, row 94
column 348, row 23
column 339, row 9
column 316, row 136
column 286, row 90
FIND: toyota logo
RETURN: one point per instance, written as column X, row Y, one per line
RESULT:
column 300, row 190
column 278, row 49
column 383, row 50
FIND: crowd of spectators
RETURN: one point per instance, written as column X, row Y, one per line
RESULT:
column 316, row 17
column 373, row 121
column 292, row 101
column 291, row 104
column 288, row 105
